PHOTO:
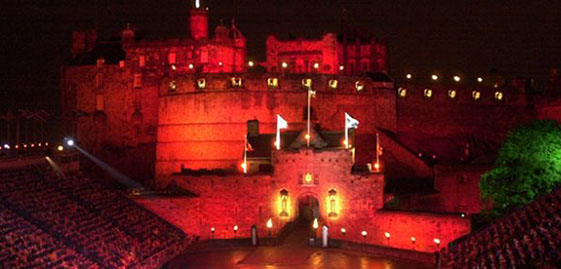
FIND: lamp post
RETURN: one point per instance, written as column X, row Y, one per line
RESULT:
column 343, row 231
column 413, row 239
column 212, row 232
column 235, row 230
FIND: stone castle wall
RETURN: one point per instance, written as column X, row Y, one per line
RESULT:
column 205, row 128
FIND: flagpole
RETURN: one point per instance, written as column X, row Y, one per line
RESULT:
column 346, row 133
column 377, row 149
column 309, row 137
column 245, row 156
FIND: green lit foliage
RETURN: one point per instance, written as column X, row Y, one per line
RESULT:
column 528, row 164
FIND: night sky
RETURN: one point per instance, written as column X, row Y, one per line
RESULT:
column 518, row 38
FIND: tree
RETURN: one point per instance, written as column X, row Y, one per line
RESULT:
column 528, row 164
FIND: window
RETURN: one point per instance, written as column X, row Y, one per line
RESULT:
column 452, row 94
column 171, row 58
column 99, row 81
column 428, row 93
column 333, row 83
column 273, row 82
column 141, row 61
column 100, row 62
column 476, row 95
column 99, row 103
column 201, row 83
column 137, row 82
column 122, row 64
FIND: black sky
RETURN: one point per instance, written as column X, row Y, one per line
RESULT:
column 519, row 38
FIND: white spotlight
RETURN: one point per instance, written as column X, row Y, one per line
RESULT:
column 70, row 142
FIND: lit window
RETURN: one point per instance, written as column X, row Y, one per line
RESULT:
column 308, row 179
column 141, row 61
column 498, row 96
column 122, row 64
column 236, row 82
column 359, row 86
column 452, row 94
column 100, row 62
column 428, row 93
column 172, row 85
column 201, row 83
column 137, row 82
column 402, row 92
column 476, row 95
column 99, row 103
column 171, row 58
column 273, row 82
column 307, row 83
column 333, row 83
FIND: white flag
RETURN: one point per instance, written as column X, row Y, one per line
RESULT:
column 312, row 93
column 350, row 122
column 281, row 123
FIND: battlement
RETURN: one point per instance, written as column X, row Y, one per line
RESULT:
column 454, row 94
column 326, row 84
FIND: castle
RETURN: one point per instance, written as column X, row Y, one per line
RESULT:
column 179, row 111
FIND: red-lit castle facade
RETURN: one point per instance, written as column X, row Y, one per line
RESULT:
column 180, row 110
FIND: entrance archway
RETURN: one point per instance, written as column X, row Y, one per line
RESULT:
column 308, row 208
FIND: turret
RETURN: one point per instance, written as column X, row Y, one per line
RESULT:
column 127, row 36
column 198, row 21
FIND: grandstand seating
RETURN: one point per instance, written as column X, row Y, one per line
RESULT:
column 526, row 238
column 49, row 221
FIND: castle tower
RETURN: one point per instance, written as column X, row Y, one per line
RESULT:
column 198, row 21
column 127, row 36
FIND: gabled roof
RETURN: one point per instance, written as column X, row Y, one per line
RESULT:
column 263, row 144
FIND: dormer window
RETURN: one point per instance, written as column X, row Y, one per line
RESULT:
column 273, row 82
column 333, row 83
column 201, row 83
column 307, row 83
column 428, row 93
column 100, row 62
column 236, row 82
column 359, row 86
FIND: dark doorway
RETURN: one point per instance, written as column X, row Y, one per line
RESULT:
column 308, row 208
